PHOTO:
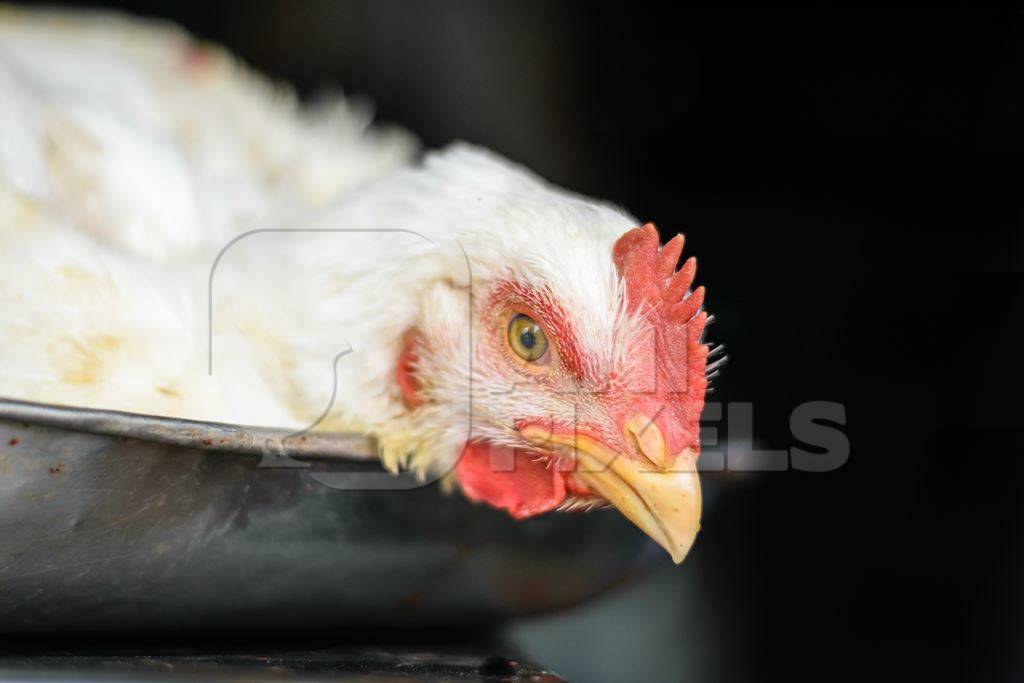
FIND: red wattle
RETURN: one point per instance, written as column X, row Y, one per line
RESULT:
column 509, row 479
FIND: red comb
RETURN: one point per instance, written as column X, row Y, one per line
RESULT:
column 672, row 371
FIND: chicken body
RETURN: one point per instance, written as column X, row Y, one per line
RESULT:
column 178, row 237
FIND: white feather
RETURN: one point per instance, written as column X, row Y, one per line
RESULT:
column 134, row 163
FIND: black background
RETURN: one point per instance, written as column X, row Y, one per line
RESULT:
column 850, row 181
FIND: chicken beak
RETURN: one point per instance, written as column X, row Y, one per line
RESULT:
column 664, row 503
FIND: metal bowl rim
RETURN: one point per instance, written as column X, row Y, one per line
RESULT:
column 199, row 434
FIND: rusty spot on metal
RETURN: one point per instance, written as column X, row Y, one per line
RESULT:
column 57, row 469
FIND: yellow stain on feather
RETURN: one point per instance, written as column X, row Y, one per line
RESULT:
column 76, row 275
column 85, row 361
column 18, row 213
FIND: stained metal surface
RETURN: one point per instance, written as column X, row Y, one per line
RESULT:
column 344, row 665
column 112, row 521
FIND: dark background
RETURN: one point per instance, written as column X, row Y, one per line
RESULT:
column 850, row 181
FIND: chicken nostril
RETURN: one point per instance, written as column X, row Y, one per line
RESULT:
column 635, row 443
column 645, row 437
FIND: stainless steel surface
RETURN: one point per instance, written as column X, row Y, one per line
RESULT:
column 113, row 521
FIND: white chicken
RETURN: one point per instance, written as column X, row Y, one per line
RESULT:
column 179, row 237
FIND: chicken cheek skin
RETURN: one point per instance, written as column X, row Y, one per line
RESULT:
column 518, row 481
column 404, row 370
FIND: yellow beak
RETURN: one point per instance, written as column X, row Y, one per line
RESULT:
column 664, row 503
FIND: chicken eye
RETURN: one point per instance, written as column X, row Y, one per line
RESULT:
column 527, row 338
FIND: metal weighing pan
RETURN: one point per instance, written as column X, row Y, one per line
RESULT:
column 114, row 521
